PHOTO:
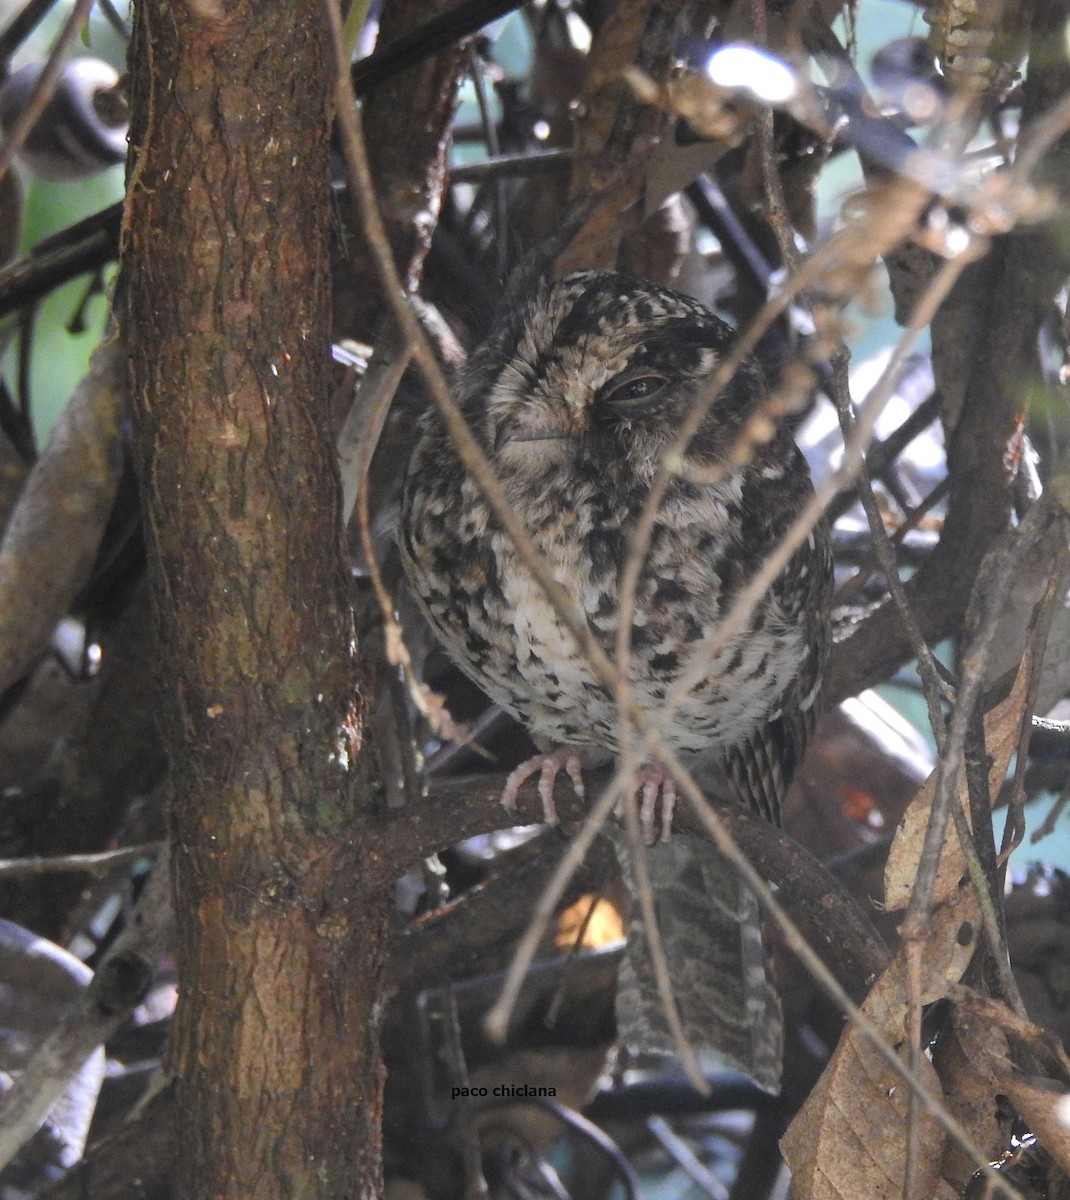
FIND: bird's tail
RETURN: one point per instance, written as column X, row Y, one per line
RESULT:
column 710, row 927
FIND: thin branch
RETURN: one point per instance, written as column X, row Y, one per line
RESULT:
column 984, row 881
column 503, row 166
column 914, row 516
column 111, row 15
column 1043, row 134
column 776, row 209
column 76, row 250
column 102, row 863
column 932, row 684
column 884, row 451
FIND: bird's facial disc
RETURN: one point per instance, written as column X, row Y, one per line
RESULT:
column 600, row 377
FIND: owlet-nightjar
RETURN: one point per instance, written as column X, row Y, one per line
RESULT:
column 575, row 397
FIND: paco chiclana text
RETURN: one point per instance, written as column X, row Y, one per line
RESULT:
column 503, row 1090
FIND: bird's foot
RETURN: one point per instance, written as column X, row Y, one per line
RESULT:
column 651, row 784
column 547, row 767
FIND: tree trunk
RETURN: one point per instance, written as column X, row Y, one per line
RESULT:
column 226, row 319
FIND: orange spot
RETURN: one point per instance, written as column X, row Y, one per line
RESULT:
column 857, row 804
column 578, row 923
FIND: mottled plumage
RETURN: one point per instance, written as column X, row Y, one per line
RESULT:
column 574, row 398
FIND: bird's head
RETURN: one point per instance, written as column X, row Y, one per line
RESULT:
column 597, row 371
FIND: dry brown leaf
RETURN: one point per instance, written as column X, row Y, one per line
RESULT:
column 848, row 1142
column 849, row 1139
column 1045, row 1106
column 952, row 936
column 1002, row 725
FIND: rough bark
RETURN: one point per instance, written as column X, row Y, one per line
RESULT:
column 280, row 940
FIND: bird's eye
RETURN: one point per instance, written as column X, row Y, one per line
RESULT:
column 635, row 392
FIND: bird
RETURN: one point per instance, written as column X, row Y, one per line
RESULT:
column 575, row 397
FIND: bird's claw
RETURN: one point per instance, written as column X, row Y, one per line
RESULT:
column 651, row 784
column 547, row 767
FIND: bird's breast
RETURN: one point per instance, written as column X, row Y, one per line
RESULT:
column 503, row 631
